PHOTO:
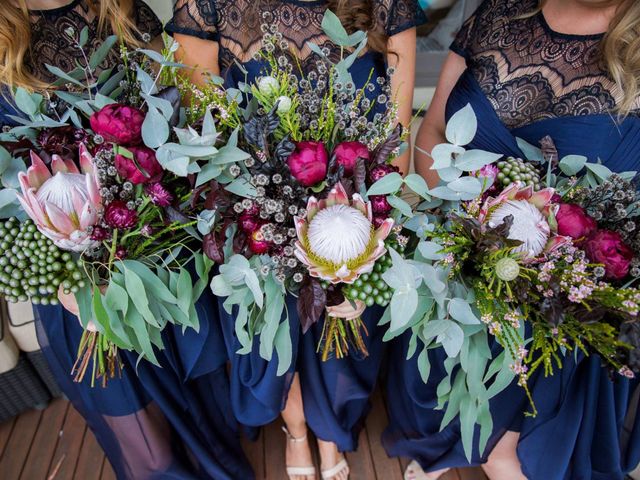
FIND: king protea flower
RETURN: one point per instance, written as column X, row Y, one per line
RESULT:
column 62, row 202
column 337, row 240
column 530, row 211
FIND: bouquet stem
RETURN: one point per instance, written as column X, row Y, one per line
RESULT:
column 338, row 335
column 96, row 350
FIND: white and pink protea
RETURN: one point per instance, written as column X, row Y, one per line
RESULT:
column 337, row 241
column 64, row 202
column 531, row 211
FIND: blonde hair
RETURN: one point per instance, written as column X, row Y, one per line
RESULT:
column 621, row 49
column 15, row 37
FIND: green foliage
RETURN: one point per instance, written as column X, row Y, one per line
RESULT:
column 140, row 299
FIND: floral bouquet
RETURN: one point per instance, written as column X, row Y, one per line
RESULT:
column 94, row 215
column 541, row 254
column 301, row 212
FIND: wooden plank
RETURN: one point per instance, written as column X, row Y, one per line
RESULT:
column 475, row 473
column 44, row 443
column 385, row 467
column 65, row 458
column 107, row 471
column 360, row 461
column 450, row 475
column 5, row 433
column 19, row 444
column 255, row 452
column 90, row 460
column 274, row 441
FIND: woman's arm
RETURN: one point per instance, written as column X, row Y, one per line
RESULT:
column 402, row 57
column 200, row 56
column 433, row 126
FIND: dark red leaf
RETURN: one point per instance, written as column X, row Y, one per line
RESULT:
column 312, row 301
column 212, row 248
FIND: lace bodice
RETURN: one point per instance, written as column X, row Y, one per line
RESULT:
column 51, row 42
column 236, row 24
column 528, row 71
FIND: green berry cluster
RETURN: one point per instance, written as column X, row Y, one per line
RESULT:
column 516, row 170
column 370, row 288
column 33, row 267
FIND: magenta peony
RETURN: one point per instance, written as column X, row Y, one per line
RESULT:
column 347, row 154
column 159, row 195
column 119, row 124
column 607, row 248
column 574, row 222
column 308, row 163
column 117, row 215
column 380, row 171
column 144, row 168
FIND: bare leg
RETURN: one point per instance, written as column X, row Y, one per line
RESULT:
column 298, row 453
column 503, row 462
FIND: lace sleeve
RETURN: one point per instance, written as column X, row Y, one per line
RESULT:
column 146, row 20
column 464, row 40
column 197, row 18
column 395, row 16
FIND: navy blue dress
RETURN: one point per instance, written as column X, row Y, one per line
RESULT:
column 525, row 80
column 153, row 423
column 335, row 393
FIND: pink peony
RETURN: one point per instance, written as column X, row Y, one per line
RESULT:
column 607, row 248
column 159, row 195
column 347, row 154
column 144, row 168
column 574, row 222
column 117, row 215
column 119, row 124
column 308, row 163
column 380, row 171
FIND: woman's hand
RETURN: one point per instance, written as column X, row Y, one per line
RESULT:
column 69, row 302
column 346, row 311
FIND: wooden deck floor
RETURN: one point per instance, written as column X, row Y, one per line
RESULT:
column 55, row 444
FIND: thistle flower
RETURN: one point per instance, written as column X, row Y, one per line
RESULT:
column 118, row 215
column 159, row 195
column 65, row 205
column 337, row 241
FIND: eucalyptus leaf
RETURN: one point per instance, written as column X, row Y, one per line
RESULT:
column 386, row 185
column 462, row 126
column 572, row 164
column 418, row 184
column 399, row 204
column 531, row 153
column 473, row 160
column 461, row 311
column 155, row 128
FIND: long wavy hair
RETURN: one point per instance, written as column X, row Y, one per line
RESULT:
column 360, row 15
column 15, row 37
column 621, row 49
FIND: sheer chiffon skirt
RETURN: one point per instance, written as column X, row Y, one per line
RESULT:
column 151, row 422
column 335, row 393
